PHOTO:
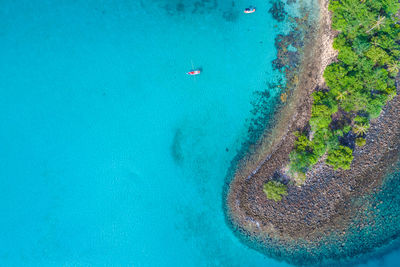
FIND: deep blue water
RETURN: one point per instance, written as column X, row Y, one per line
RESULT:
column 109, row 153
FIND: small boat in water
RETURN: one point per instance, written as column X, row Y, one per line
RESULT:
column 193, row 72
column 249, row 10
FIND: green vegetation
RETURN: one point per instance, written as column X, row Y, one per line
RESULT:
column 360, row 141
column 359, row 84
column 340, row 157
column 275, row 190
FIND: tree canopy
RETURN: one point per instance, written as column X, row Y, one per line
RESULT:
column 359, row 84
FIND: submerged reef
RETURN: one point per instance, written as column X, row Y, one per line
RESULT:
column 329, row 214
column 182, row 8
column 278, row 10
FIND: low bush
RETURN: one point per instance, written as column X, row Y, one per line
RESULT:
column 360, row 141
column 275, row 190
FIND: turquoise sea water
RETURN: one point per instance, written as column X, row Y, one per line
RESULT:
column 109, row 153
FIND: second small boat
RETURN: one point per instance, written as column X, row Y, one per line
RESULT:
column 249, row 10
column 193, row 72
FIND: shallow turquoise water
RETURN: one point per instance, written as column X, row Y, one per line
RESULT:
column 109, row 153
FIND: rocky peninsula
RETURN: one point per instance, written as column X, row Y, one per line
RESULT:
column 334, row 215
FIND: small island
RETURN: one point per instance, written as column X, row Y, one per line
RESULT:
column 307, row 193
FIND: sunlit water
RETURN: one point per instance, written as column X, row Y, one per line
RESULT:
column 109, row 153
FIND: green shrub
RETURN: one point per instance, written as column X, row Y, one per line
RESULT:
column 340, row 158
column 347, row 56
column 302, row 142
column 378, row 55
column 300, row 161
column 275, row 190
column 360, row 128
column 360, row 119
column 374, row 108
column 360, row 141
column 320, row 116
column 346, row 128
column 361, row 45
column 339, row 42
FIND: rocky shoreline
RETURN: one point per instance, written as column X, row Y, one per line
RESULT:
column 316, row 222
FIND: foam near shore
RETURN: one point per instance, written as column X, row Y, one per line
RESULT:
column 324, row 219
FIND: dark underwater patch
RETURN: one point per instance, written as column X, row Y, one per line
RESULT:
column 286, row 57
column 230, row 15
column 278, row 10
column 226, row 10
column 180, row 7
column 204, row 6
column 176, row 147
